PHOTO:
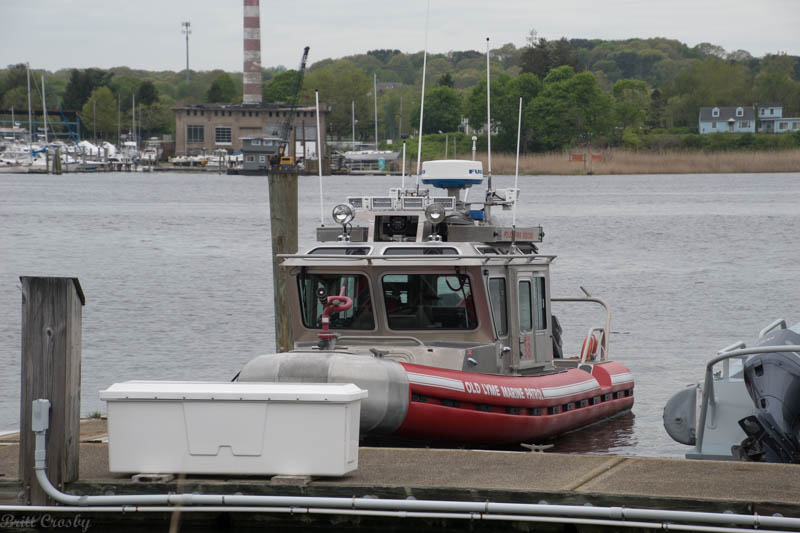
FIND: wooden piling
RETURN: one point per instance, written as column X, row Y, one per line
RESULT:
column 51, row 369
column 283, row 228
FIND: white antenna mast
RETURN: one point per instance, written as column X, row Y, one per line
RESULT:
column 422, row 101
column 516, row 174
column 488, row 115
column 319, row 160
column 403, row 179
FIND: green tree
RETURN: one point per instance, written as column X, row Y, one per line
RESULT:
column 280, row 88
column 155, row 118
column 506, row 92
column 340, row 83
column 147, row 93
column 442, row 111
column 222, row 90
column 630, row 104
column 100, row 111
column 570, row 108
column 81, row 84
column 445, row 80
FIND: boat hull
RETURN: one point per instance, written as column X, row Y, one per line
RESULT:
column 440, row 405
column 454, row 406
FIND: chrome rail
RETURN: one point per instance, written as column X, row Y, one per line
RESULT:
column 486, row 258
column 778, row 323
column 606, row 330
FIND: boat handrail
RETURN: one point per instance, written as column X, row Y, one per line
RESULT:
column 589, row 298
column 506, row 259
column 778, row 323
column 382, row 338
column 587, row 345
column 708, row 397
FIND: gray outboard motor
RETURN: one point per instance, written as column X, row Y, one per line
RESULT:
column 773, row 382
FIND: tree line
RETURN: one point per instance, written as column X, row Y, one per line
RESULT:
column 574, row 91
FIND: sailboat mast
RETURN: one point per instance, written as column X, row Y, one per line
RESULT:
column 44, row 110
column 133, row 119
column 30, row 117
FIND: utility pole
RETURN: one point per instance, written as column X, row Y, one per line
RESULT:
column 186, row 31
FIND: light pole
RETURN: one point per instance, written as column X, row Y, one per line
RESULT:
column 474, row 140
column 186, row 30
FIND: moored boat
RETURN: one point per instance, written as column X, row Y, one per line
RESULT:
column 444, row 316
column 747, row 407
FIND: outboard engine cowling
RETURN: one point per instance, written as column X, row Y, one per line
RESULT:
column 773, row 382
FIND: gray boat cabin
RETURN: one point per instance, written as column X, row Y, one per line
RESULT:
column 433, row 282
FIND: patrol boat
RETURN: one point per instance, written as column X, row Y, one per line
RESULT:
column 445, row 318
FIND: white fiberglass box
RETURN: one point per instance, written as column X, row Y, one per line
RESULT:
column 233, row 428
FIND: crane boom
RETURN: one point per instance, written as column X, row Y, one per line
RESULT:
column 286, row 127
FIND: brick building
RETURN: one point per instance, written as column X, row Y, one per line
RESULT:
column 203, row 128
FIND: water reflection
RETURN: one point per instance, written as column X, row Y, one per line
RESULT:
column 612, row 436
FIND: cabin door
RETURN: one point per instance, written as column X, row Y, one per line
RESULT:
column 532, row 315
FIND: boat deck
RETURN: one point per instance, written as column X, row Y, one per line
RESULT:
column 468, row 475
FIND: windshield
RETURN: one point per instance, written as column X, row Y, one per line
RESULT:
column 356, row 286
column 429, row 301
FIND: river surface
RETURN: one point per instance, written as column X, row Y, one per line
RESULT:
column 176, row 269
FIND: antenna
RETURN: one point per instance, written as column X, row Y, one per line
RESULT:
column 488, row 115
column 319, row 159
column 403, row 179
column 422, row 100
column 185, row 28
column 516, row 173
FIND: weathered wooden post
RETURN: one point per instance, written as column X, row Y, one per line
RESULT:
column 283, row 228
column 51, row 369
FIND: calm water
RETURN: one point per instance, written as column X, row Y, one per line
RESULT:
column 176, row 270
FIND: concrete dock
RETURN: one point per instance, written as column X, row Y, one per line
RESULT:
column 439, row 474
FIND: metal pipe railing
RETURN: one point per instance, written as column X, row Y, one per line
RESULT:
column 541, row 512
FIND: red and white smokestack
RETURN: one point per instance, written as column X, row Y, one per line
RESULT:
column 252, row 53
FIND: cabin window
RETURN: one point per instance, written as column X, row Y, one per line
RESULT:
column 429, row 301
column 348, row 250
column 497, row 297
column 420, row 251
column 356, row 286
column 715, row 112
column 250, row 159
column 194, row 134
column 540, row 304
column 525, row 306
column 739, row 112
column 255, row 142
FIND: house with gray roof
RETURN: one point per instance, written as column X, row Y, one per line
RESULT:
column 727, row 120
column 771, row 120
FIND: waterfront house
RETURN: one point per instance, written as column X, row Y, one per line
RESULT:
column 771, row 120
column 260, row 152
column 739, row 119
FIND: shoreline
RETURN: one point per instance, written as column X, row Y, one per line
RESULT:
column 620, row 161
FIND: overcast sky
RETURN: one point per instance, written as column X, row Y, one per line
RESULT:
column 146, row 34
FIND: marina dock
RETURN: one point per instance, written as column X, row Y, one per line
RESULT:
column 442, row 475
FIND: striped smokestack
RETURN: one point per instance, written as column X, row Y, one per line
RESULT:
column 252, row 53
